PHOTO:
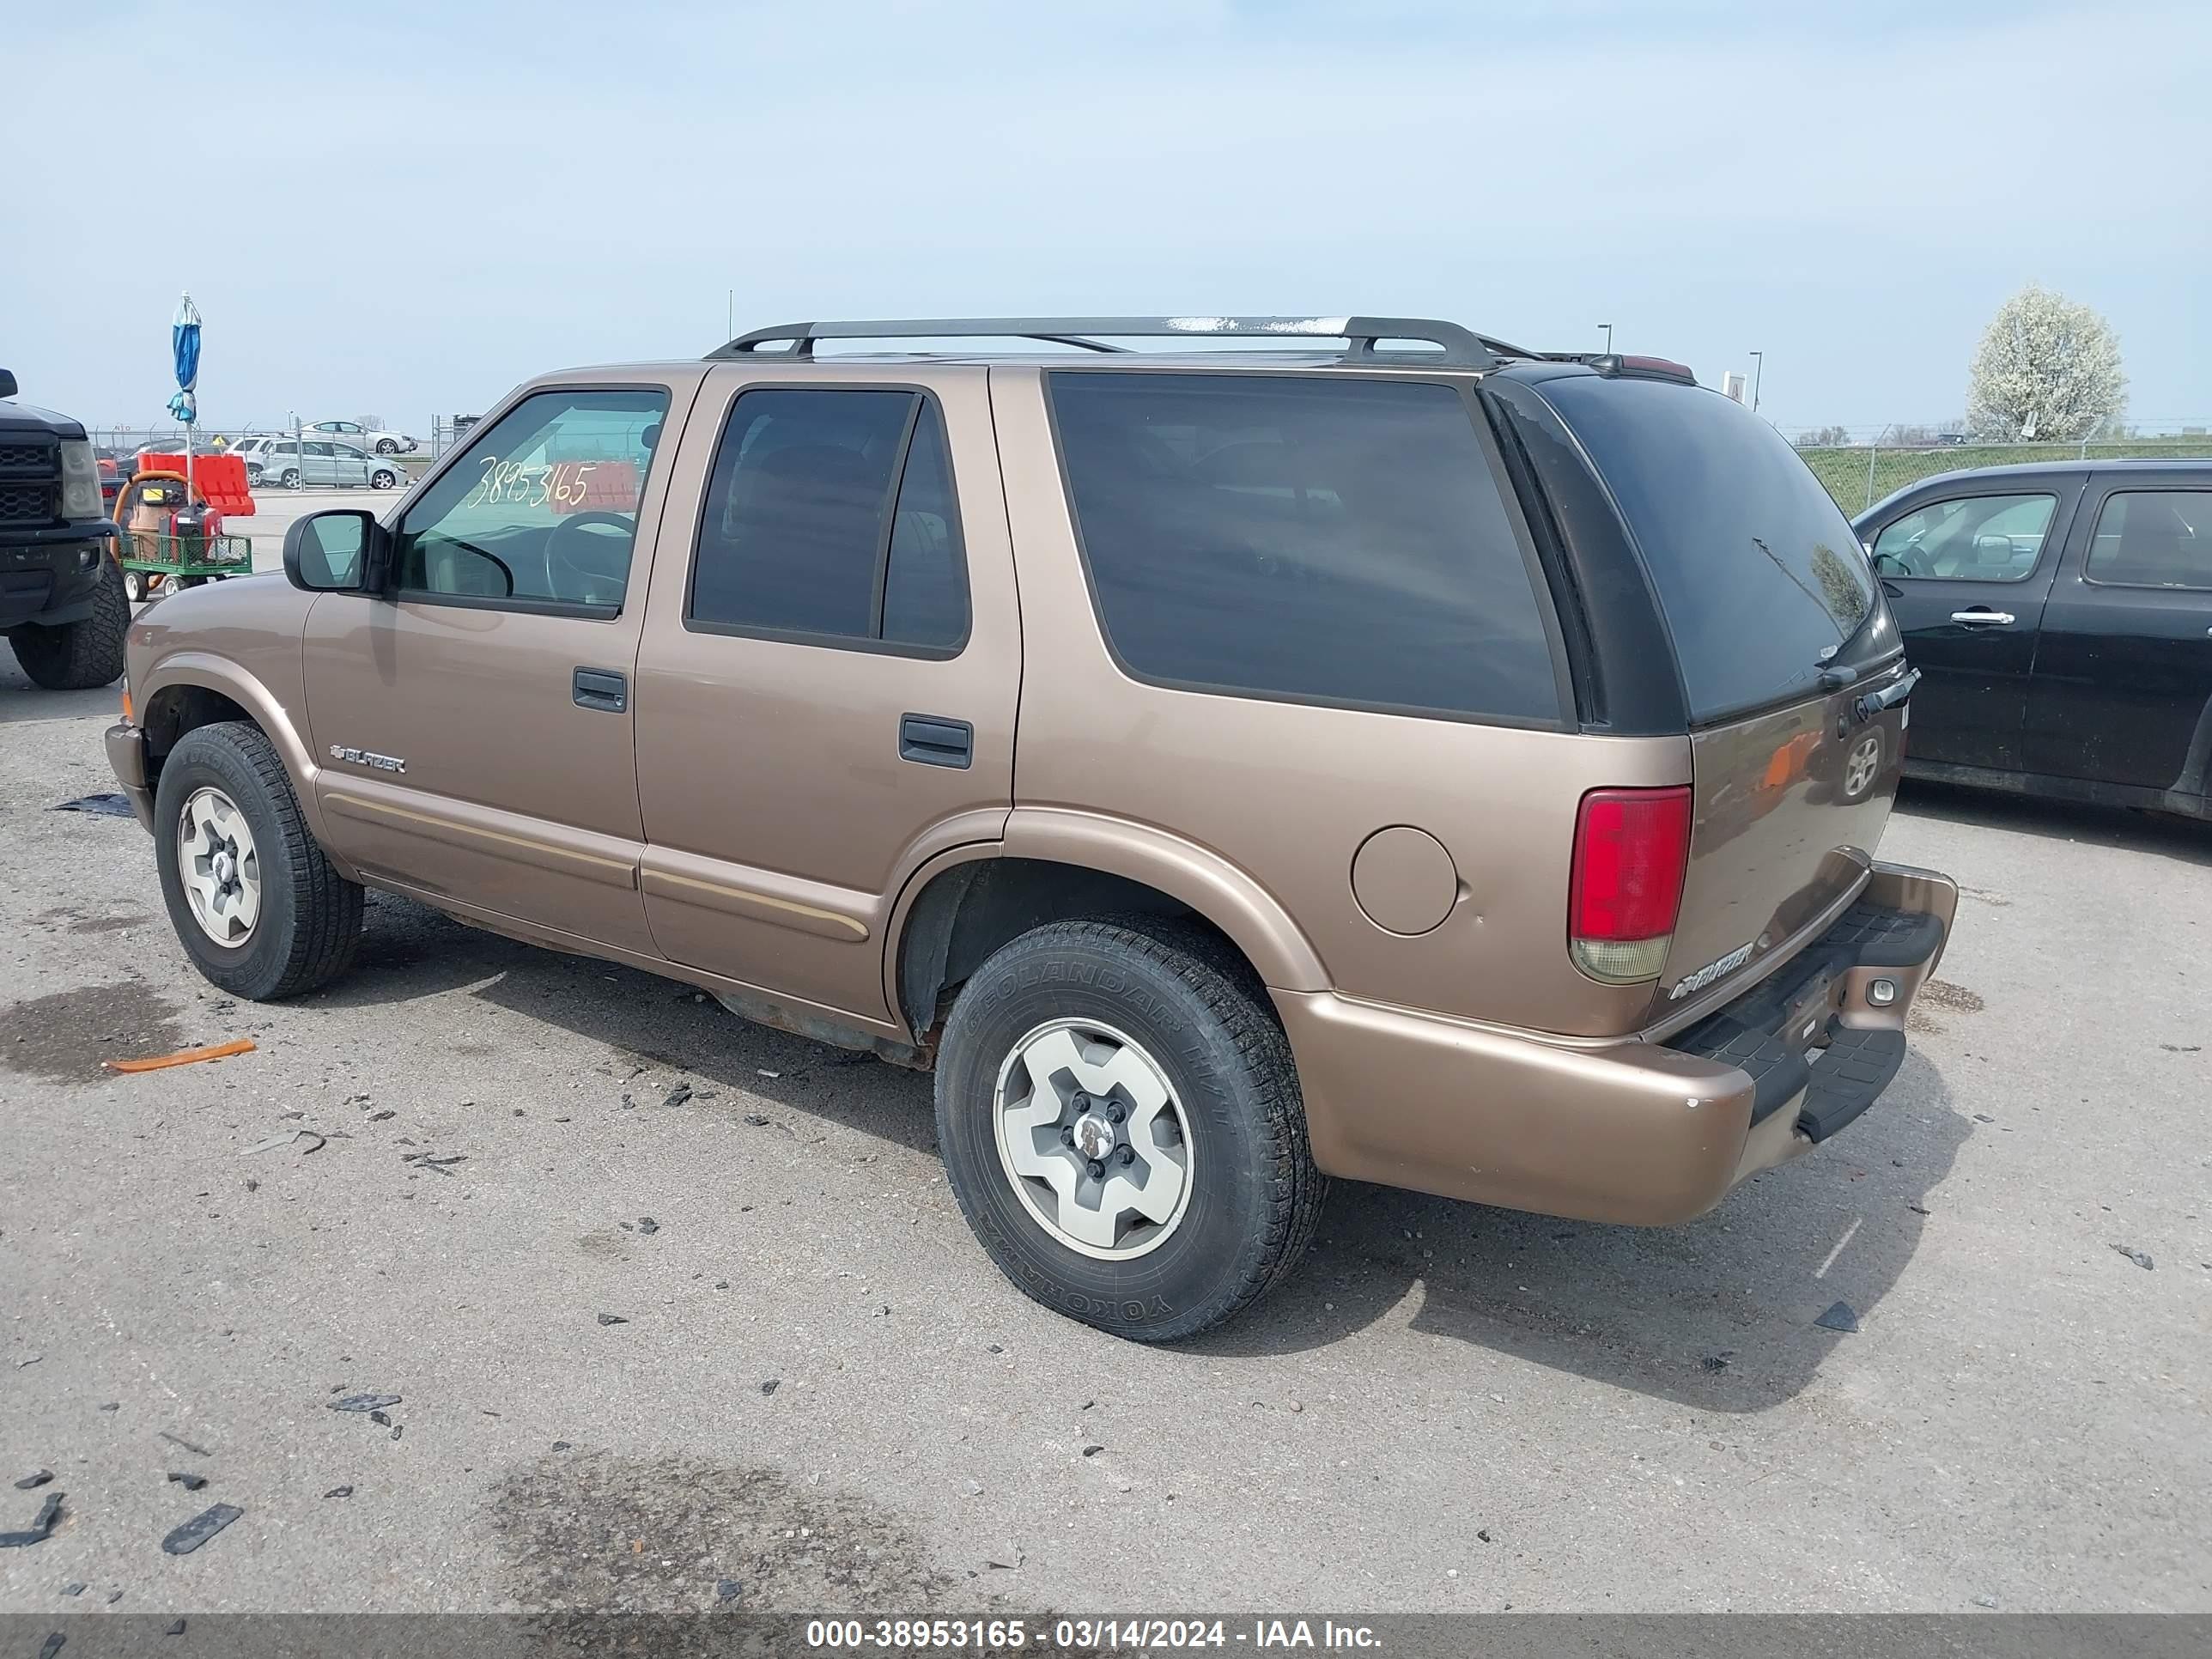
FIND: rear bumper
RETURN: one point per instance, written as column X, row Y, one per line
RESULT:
column 1627, row 1131
column 126, row 758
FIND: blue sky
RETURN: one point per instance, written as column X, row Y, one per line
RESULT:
column 409, row 209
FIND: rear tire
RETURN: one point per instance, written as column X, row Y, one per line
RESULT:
column 80, row 655
column 308, row 921
column 1198, row 1024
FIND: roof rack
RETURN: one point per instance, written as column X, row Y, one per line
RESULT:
column 1460, row 348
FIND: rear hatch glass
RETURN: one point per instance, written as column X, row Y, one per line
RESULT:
column 1764, row 587
column 1757, row 570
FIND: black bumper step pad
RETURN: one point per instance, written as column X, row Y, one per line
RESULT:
column 1854, row 1067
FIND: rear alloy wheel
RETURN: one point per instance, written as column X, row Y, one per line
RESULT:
column 80, row 655
column 1120, row 1119
column 1092, row 1139
column 253, row 900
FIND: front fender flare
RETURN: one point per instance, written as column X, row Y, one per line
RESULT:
column 210, row 673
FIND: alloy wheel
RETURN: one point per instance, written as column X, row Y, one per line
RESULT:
column 1093, row 1139
column 219, row 866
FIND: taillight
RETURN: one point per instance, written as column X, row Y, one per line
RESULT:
column 1632, row 848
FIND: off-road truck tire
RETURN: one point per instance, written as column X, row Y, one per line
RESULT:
column 1199, row 1017
column 80, row 655
column 310, row 916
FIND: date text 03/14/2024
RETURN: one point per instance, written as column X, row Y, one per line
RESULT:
column 1084, row 1635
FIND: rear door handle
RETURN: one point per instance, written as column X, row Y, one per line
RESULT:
column 1983, row 618
column 931, row 740
column 602, row 689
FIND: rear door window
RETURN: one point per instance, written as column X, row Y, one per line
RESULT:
column 830, row 518
column 2153, row 538
column 1305, row 539
column 1759, row 574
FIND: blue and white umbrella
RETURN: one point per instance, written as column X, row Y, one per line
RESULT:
column 184, row 341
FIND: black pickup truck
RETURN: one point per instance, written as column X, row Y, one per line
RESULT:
column 62, row 602
column 2061, row 618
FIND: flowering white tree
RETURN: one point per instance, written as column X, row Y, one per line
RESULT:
column 2046, row 368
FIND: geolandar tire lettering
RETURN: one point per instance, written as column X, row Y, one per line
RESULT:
column 303, row 921
column 1121, row 1122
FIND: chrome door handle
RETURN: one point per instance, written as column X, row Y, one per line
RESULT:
column 1983, row 618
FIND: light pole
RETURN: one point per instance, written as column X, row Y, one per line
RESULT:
column 1607, row 327
column 1757, row 369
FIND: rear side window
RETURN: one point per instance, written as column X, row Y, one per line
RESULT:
column 2153, row 538
column 830, row 515
column 1759, row 575
column 1307, row 539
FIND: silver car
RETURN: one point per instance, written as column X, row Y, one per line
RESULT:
column 375, row 439
column 293, row 462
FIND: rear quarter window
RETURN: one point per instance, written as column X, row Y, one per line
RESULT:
column 1304, row 539
column 1758, row 574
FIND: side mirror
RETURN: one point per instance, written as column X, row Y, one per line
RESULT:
column 342, row 551
column 7, row 382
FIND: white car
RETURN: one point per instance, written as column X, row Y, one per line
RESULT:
column 362, row 437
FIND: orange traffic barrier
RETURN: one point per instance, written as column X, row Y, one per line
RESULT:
column 218, row 480
column 595, row 487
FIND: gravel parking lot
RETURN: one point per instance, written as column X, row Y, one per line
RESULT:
column 669, row 1300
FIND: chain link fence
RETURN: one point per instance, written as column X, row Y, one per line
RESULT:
column 315, row 460
column 1859, row 475
column 448, row 430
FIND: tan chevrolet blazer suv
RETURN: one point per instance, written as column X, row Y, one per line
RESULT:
column 1225, row 765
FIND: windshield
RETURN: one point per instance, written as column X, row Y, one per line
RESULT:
column 1757, row 569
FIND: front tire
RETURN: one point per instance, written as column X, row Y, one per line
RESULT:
column 80, row 655
column 1087, row 1061
column 383, row 478
column 250, row 892
column 290, row 479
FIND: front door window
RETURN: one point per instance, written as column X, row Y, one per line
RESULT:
column 1973, row 538
column 541, row 511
